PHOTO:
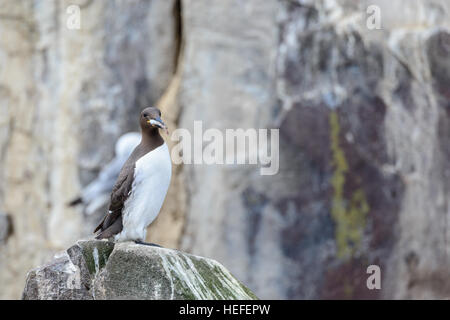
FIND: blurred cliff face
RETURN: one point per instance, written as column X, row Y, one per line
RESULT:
column 364, row 134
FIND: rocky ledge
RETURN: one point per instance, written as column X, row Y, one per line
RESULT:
column 104, row 270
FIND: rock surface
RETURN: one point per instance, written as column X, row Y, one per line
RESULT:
column 66, row 95
column 364, row 134
column 364, row 144
column 103, row 270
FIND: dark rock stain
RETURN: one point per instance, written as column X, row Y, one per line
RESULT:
column 255, row 203
column 306, row 129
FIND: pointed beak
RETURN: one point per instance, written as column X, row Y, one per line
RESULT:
column 158, row 123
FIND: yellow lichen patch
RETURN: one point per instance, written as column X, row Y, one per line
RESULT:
column 349, row 216
column 348, row 290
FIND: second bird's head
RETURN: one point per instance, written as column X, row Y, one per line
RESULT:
column 151, row 120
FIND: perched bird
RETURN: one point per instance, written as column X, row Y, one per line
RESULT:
column 142, row 185
column 96, row 194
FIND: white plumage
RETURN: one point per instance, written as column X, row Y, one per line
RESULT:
column 152, row 176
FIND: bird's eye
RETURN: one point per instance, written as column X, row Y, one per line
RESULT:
column 145, row 115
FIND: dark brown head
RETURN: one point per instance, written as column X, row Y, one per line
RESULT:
column 151, row 120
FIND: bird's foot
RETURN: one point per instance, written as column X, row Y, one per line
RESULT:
column 147, row 243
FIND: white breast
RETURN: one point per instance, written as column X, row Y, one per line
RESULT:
column 151, row 180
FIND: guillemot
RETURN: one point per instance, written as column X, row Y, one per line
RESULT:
column 97, row 193
column 142, row 185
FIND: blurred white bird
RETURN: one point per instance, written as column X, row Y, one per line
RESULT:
column 96, row 194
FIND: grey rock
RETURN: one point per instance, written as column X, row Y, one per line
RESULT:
column 364, row 124
column 101, row 270
column 364, row 144
column 69, row 276
column 75, row 92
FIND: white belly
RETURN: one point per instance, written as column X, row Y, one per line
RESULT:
column 151, row 180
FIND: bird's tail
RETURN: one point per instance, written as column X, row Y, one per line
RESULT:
column 110, row 231
column 100, row 226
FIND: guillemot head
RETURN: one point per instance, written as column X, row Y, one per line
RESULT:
column 151, row 120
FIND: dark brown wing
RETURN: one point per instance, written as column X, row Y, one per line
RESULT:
column 112, row 222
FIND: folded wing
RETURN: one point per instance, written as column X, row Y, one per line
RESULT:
column 111, row 224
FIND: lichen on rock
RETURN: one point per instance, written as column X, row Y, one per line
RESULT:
column 104, row 270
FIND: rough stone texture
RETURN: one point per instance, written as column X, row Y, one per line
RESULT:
column 101, row 270
column 364, row 136
column 228, row 81
column 66, row 96
column 69, row 276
